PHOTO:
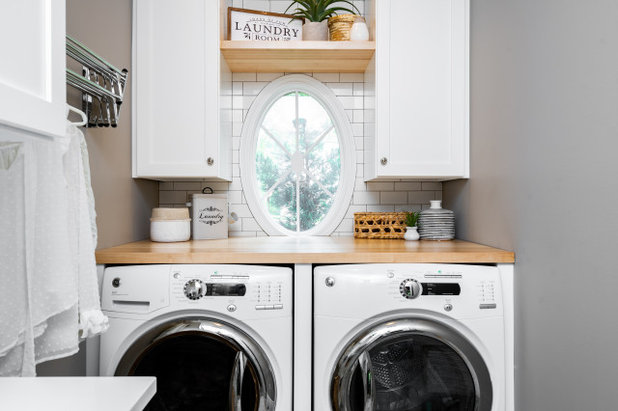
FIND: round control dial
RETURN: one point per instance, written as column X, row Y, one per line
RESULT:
column 194, row 289
column 410, row 288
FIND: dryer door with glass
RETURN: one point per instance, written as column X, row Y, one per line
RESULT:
column 411, row 365
column 203, row 364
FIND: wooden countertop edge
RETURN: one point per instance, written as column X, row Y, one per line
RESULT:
column 304, row 258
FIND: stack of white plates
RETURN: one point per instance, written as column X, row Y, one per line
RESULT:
column 436, row 223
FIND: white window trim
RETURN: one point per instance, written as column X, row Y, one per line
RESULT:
column 248, row 146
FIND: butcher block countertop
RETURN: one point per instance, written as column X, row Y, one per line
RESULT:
column 305, row 250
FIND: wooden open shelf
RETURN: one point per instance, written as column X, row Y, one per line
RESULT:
column 298, row 56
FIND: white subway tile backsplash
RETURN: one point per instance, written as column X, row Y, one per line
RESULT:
column 253, row 88
column 380, row 186
column 393, row 197
column 269, row 76
column 368, row 197
column 432, row 185
column 237, row 88
column 166, row 185
column 380, row 208
column 173, row 197
column 327, row 77
column 352, row 77
column 234, row 197
column 244, row 77
column 249, row 224
column 407, row 185
column 187, row 185
column 420, row 197
column 242, row 210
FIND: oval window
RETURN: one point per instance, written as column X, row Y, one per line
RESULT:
column 297, row 164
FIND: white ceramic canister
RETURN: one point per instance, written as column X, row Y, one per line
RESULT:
column 359, row 30
column 210, row 215
column 170, row 225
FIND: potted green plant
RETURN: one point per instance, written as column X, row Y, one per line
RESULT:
column 411, row 229
column 316, row 14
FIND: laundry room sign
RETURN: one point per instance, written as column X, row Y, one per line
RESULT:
column 246, row 24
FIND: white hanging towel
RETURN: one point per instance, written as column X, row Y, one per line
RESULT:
column 47, row 267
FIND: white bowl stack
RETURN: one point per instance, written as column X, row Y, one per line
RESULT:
column 436, row 223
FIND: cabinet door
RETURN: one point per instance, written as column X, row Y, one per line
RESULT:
column 422, row 105
column 176, row 90
column 32, row 72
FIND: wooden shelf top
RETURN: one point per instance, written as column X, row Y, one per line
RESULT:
column 298, row 56
column 306, row 250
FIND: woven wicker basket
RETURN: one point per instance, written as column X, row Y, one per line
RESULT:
column 379, row 225
column 339, row 26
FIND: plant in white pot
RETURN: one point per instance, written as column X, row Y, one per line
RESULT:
column 316, row 14
column 411, row 229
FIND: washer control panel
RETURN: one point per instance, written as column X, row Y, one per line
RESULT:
column 231, row 288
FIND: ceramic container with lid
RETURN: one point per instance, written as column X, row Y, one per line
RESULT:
column 170, row 225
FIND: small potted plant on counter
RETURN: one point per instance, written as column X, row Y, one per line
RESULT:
column 411, row 229
column 316, row 14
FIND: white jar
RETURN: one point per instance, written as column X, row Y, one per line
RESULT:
column 170, row 225
column 168, row 231
column 359, row 30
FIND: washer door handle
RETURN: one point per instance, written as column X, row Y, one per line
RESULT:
column 364, row 362
column 238, row 373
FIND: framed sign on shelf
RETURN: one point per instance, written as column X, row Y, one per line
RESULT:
column 243, row 24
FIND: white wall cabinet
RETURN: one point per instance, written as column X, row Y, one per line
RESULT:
column 417, row 100
column 181, row 91
column 32, row 72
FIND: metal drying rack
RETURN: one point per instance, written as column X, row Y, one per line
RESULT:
column 102, row 85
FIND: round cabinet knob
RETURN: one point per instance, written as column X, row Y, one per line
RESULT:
column 384, row 161
column 195, row 289
column 330, row 281
column 210, row 161
column 410, row 289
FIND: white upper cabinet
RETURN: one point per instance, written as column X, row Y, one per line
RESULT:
column 417, row 104
column 181, row 91
column 32, row 71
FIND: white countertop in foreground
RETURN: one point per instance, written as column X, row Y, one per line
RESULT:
column 76, row 393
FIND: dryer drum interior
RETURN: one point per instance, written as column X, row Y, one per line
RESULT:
column 412, row 365
column 202, row 365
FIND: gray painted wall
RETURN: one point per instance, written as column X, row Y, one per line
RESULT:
column 544, row 183
column 123, row 205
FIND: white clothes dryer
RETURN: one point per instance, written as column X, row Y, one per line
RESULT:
column 217, row 337
column 414, row 337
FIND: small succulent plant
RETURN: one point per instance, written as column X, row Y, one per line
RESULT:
column 412, row 218
column 319, row 10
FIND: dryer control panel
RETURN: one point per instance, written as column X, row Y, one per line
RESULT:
column 450, row 289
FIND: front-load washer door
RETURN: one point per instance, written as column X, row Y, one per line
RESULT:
column 202, row 364
column 411, row 365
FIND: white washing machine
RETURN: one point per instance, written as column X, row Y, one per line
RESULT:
column 414, row 337
column 217, row 337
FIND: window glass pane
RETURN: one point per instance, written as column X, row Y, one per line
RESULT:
column 282, row 204
column 298, row 161
column 280, row 121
